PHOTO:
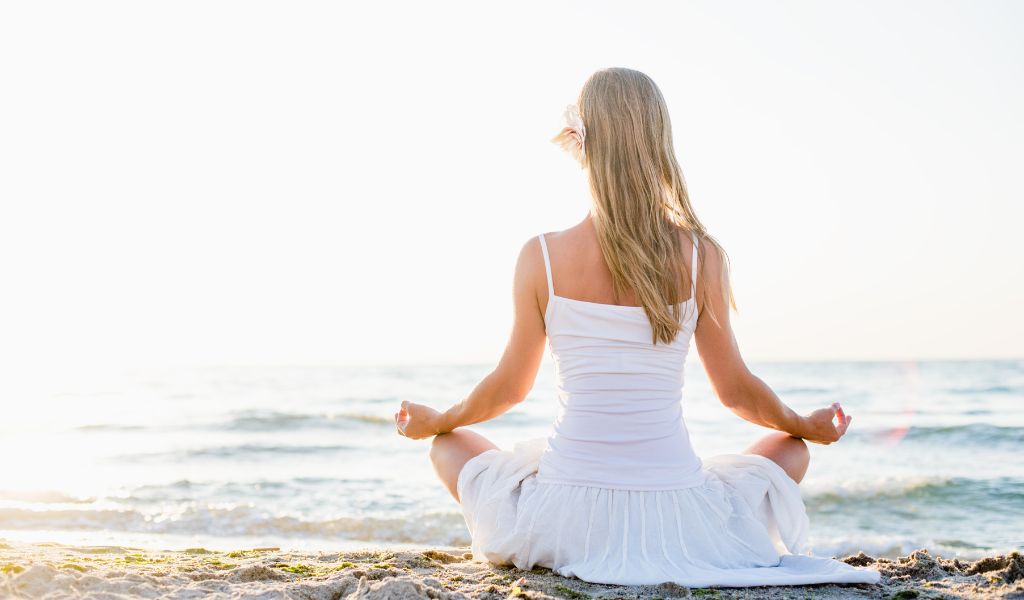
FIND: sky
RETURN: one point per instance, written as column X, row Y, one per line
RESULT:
column 205, row 183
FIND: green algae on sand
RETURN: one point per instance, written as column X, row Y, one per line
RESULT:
column 33, row 571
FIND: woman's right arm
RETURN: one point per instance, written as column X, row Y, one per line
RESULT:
column 736, row 387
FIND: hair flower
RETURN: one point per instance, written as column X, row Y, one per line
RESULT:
column 573, row 134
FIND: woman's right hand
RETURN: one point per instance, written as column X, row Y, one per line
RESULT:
column 417, row 421
column 819, row 427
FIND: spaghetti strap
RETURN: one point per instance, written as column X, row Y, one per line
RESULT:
column 547, row 266
column 693, row 267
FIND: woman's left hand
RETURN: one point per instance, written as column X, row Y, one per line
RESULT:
column 417, row 421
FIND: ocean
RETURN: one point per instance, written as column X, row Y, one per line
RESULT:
column 307, row 457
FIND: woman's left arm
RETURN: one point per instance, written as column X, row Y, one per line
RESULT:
column 513, row 378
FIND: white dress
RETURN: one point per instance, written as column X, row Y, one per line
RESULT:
column 615, row 493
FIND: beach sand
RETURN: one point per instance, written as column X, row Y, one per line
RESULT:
column 62, row 571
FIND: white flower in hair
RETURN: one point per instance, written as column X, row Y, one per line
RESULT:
column 572, row 136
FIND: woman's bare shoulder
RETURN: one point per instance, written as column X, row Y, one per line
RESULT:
column 706, row 244
column 581, row 230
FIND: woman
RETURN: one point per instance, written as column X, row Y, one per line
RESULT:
column 616, row 494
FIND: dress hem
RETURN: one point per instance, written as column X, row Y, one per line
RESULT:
column 748, row 513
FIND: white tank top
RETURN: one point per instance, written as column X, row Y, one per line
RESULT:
column 620, row 423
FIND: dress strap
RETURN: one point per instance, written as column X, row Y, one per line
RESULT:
column 547, row 266
column 693, row 267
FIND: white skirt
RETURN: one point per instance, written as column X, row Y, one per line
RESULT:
column 746, row 525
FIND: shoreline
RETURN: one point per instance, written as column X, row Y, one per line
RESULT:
column 42, row 570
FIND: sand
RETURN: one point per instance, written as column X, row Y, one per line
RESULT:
column 62, row 571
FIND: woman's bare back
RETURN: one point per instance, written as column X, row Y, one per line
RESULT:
column 579, row 267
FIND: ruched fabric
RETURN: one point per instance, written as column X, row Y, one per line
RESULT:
column 615, row 493
column 744, row 525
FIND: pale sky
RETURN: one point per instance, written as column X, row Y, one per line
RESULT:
column 338, row 183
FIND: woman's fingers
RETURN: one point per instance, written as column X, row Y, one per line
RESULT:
column 402, row 417
column 844, row 425
column 839, row 412
column 841, row 420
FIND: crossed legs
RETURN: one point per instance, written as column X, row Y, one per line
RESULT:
column 449, row 452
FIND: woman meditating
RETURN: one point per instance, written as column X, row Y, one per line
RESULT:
column 615, row 493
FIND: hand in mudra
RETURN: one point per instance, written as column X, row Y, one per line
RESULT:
column 820, row 428
column 416, row 421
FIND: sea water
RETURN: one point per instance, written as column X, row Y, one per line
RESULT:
column 308, row 458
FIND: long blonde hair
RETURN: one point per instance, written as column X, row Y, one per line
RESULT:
column 640, row 201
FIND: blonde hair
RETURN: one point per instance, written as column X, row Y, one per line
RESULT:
column 640, row 201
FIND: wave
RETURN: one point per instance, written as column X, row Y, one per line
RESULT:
column 256, row 421
column 235, row 451
column 980, row 434
column 890, row 546
column 42, row 497
column 446, row 528
column 982, row 431
column 274, row 420
column 805, row 390
column 903, row 508
column 993, row 389
column 189, row 489
column 868, row 488
column 245, row 449
column 1000, row 492
column 109, row 427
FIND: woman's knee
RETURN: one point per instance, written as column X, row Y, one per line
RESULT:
column 798, row 457
column 796, row 444
column 450, row 451
column 788, row 452
column 438, row 445
column 461, row 441
column 801, row 450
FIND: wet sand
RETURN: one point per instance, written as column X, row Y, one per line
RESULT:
column 62, row 571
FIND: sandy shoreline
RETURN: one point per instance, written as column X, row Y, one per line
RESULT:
column 64, row 571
